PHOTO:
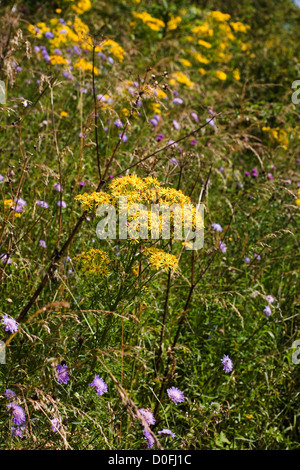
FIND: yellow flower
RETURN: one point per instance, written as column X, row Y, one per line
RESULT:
column 236, row 74
column 174, row 22
column 298, row 202
column 203, row 29
column 219, row 16
column 153, row 23
column 202, row 71
column 221, row 75
column 249, row 416
column 204, row 44
column 239, row 27
column 94, row 262
column 57, row 59
column 159, row 259
column 64, row 114
column 180, row 77
column 185, row 62
column 82, row 6
column 85, row 65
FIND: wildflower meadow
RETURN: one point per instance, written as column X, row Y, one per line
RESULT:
column 149, row 225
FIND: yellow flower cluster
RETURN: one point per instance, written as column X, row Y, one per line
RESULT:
column 182, row 78
column 279, row 135
column 85, row 65
column 160, row 260
column 153, row 23
column 174, row 22
column 94, row 262
column 82, row 6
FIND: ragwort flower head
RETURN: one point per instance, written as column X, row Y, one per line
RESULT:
column 175, row 395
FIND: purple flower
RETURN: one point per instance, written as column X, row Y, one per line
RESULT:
column 211, row 122
column 124, row 137
column 195, row 116
column 254, row 172
column 176, row 124
column 62, row 21
column 160, row 137
column 154, row 122
column 99, row 385
column 61, row 204
column 58, row 187
column 267, row 310
column 167, row 431
column 258, row 257
column 55, row 424
column 62, row 374
column 270, row 299
column 76, row 50
column 174, row 161
column 175, row 394
column 42, row 204
column 217, row 227
column 1, row 177
column 5, row 259
column 17, row 431
column 270, row 176
column 43, row 244
column 147, row 415
column 247, row 173
column 177, row 101
column 193, row 142
column 110, row 60
column 10, row 394
column 227, row 363
column 57, row 51
column 18, row 413
column 10, row 324
column 247, row 259
column 172, row 143
column 49, row 35
column 222, row 247
column 81, row 183
column 102, row 56
column 149, row 438
column 118, row 123
column 287, row 182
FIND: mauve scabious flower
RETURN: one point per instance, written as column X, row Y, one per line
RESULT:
column 10, row 323
column 247, row 259
column 176, row 124
column 195, row 116
column 1, row 177
column 270, row 299
column 43, row 243
column 172, row 143
column 49, row 35
column 154, row 122
column 258, row 257
column 99, row 385
column 217, row 227
column 177, row 101
column 160, row 137
column 62, row 374
column 5, row 259
column 18, row 413
column 17, row 431
column 175, row 395
column 270, row 176
column 81, row 183
column 193, row 142
column 110, row 60
column 211, row 122
column 268, row 311
column 102, row 56
column 118, row 123
column 222, row 247
column 123, row 137
column 147, row 415
column 55, row 424
column 227, row 363
column 62, row 204
column 174, row 161
column 149, row 438
column 167, row 431
column 58, row 187
column 42, row 204
column 10, row 394
column 247, row 173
